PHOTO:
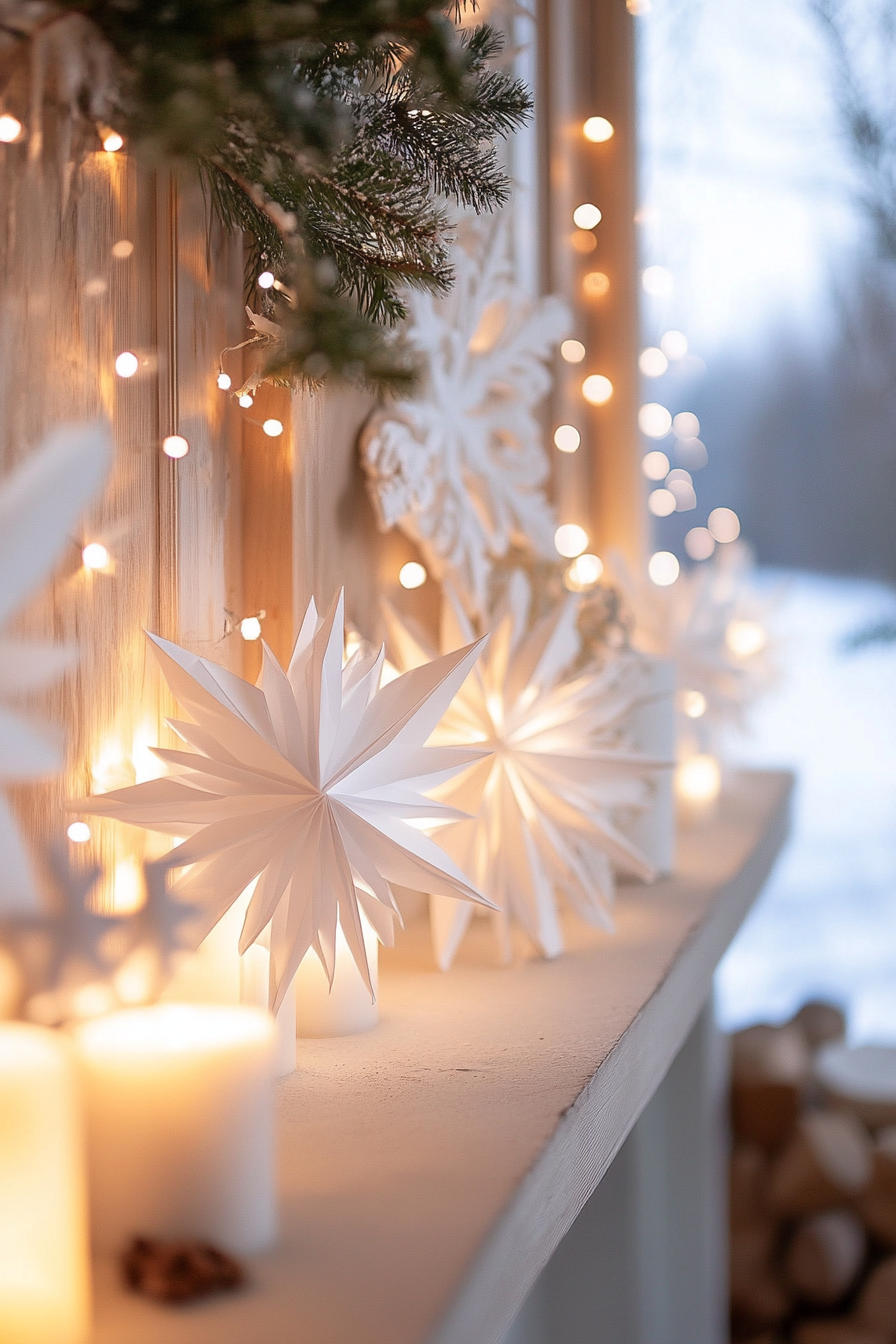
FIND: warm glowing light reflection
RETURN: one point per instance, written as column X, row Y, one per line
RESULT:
column 126, row 364
column 698, row 779
column 663, row 568
column 113, row 142
column 95, row 555
column 583, row 573
column 567, row 438
column 272, row 428
column 123, row 249
column 655, row 465
column 128, row 890
column 652, row 362
column 598, row 130
column 654, row 420
column 250, row 628
column 693, row 703
column 586, row 216
column 685, row 425
column 79, row 832
column 245, row 400
column 266, row 280
column 596, row 284
column 699, row 543
column 412, row 574
column 674, row 344
column 745, row 638
column 570, row 540
column 224, row 381
column 10, row 128
column 661, row 503
column 175, row 445
column 584, row 241
column 724, row 525
column 597, row 389
column 572, row 351
column 657, row 282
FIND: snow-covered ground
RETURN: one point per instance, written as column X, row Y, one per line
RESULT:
column 826, row 923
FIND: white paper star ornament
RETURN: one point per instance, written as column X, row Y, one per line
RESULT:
column 544, row 802
column 40, row 503
column 314, row 781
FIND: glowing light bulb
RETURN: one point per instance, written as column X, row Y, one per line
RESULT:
column 79, row 832
column 127, row 364
column 123, row 249
column 250, row 628
column 597, row 389
column 654, row 420
column 586, row 216
column 10, row 128
column 596, row 284
column 570, row 540
column 412, row 575
column 245, row 400
column 652, row 362
column 698, row 779
column 95, row 555
column 685, row 425
column 663, row 568
column 674, row 344
column 112, row 142
column 572, row 351
column 266, row 280
column 745, row 638
column 724, row 525
column 567, row 438
column 224, row 381
column 693, row 703
column 175, row 445
column 661, row 503
column 273, row 428
column 584, row 241
column 655, row 466
column 699, row 543
column 597, row 130
column 583, row 573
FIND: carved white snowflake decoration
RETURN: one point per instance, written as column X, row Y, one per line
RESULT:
column 40, row 503
column 545, row 801
column 715, row 628
column 315, row 781
column 463, row 469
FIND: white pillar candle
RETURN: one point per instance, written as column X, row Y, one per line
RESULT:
column 255, row 969
column 44, row 1263
column 347, row 1008
column 651, row 730
column 212, row 973
column 180, row 1125
column 698, row 783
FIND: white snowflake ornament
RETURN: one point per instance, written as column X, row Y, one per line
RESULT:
column 544, row 802
column 40, row 503
column 314, row 781
column 462, row 470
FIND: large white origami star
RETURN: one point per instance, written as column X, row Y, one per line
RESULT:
column 544, row 801
column 40, row 503
column 462, row 469
column 316, row 780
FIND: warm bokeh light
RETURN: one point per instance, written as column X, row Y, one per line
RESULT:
column 570, row 540
column 655, row 465
column 699, row 543
column 597, row 130
column 584, row 241
column 412, row 575
column 745, row 638
column 175, row 445
column 597, row 389
column 10, row 128
column 638, row 7
column 95, row 555
column 661, row 503
column 273, row 428
column 79, row 832
column 652, row 362
column 586, row 216
column 596, row 284
column 250, row 628
column 682, row 487
column 698, row 779
column 266, row 280
column 224, row 381
column 113, row 142
column 567, row 438
column 724, row 525
column 657, row 282
column 654, row 420
column 123, row 249
column 691, row 453
column 572, row 351
column 245, row 400
column 685, row 425
column 126, row 364
column 583, row 573
column 693, row 703
column 663, row 568
column 674, row 344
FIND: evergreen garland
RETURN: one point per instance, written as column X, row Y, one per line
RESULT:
column 336, row 134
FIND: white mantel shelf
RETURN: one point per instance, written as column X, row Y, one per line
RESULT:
column 430, row 1168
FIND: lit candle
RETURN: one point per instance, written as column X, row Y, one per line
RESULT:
column 651, row 730
column 180, row 1125
column 255, row 970
column 44, row 1264
column 345, row 1009
column 212, row 973
column 698, row 782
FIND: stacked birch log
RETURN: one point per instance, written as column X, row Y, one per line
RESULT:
column 812, row 1185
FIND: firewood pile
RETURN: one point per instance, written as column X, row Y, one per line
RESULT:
column 812, row 1185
